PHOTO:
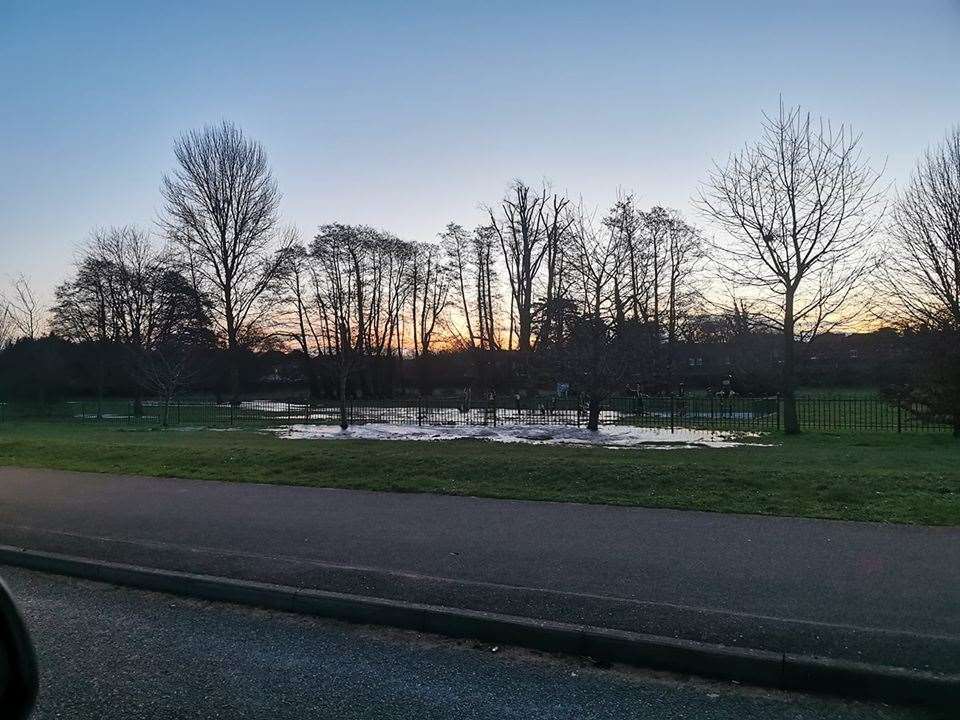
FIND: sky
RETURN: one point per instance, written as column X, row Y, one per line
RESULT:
column 410, row 115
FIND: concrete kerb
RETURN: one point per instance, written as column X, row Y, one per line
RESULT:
column 756, row 667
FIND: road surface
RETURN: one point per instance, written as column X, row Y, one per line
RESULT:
column 109, row 653
column 861, row 591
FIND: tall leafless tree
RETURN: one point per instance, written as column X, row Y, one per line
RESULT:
column 456, row 244
column 429, row 290
column 529, row 224
column 472, row 316
column 625, row 222
column 798, row 209
column 921, row 270
column 486, row 287
column 341, row 295
column 596, row 352
column 221, row 209
column 474, row 280
column 293, row 292
column 551, row 310
column 684, row 254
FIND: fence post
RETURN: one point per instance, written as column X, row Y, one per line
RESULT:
column 778, row 412
column 899, row 413
column 672, row 411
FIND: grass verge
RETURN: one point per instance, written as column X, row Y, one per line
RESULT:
column 889, row 477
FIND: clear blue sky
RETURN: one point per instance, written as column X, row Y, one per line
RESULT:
column 408, row 115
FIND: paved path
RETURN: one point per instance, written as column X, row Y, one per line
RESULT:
column 861, row 591
column 108, row 653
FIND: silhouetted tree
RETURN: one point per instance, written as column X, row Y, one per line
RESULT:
column 129, row 296
column 21, row 310
column 429, row 289
column 921, row 270
column 294, row 294
column 221, row 210
column 341, row 296
column 798, row 208
column 597, row 352
column 528, row 222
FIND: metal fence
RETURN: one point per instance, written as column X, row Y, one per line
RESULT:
column 825, row 414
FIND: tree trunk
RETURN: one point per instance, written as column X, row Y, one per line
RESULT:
column 233, row 354
column 593, row 414
column 343, row 400
column 790, row 423
column 100, row 380
column 234, row 380
column 423, row 374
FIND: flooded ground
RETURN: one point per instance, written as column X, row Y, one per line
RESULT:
column 608, row 436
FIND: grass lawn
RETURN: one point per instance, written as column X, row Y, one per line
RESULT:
column 882, row 477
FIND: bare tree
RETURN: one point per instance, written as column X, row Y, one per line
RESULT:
column 798, row 208
column 626, row 224
column 429, row 291
column 221, row 209
column 551, row 310
column 22, row 309
column 530, row 224
column 486, row 283
column 128, row 295
column 596, row 351
column 382, row 275
column 6, row 325
column 297, row 324
column 134, row 276
column 429, row 282
column 921, row 272
column 341, row 296
column 83, row 313
column 455, row 241
column 655, row 231
column 166, row 371
column 473, row 279
column 472, row 320
column 684, row 258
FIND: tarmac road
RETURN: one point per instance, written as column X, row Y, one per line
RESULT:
column 108, row 653
column 870, row 592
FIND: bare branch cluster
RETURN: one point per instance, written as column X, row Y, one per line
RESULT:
column 921, row 272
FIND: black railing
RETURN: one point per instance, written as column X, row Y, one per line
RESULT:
column 825, row 414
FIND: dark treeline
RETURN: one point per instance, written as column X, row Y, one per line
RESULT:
column 223, row 299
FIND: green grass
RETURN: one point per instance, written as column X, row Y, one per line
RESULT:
column 906, row 478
